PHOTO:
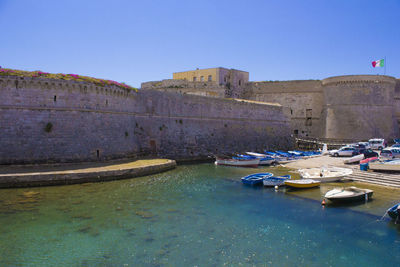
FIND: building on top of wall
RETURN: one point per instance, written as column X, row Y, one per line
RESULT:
column 233, row 80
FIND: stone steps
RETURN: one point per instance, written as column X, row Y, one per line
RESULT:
column 376, row 178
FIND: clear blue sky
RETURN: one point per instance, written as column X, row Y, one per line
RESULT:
column 138, row 41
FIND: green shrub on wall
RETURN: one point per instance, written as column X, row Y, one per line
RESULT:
column 48, row 127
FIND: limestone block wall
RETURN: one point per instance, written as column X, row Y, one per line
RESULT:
column 359, row 107
column 188, row 125
column 303, row 102
column 397, row 100
column 210, row 89
column 44, row 120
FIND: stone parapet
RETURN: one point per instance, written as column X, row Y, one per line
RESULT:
column 357, row 79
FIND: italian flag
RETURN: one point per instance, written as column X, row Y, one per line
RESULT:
column 378, row 63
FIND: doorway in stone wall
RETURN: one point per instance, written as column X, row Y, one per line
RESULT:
column 153, row 146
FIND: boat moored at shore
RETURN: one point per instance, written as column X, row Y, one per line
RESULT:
column 325, row 174
column 237, row 162
column 255, row 178
column 302, row 183
column 276, row 180
column 349, row 194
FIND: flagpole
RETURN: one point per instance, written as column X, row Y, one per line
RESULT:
column 384, row 65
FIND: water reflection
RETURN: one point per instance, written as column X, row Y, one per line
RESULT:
column 194, row 215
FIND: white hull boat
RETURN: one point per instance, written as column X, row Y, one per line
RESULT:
column 302, row 183
column 355, row 159
column 325, row 175
column 238, row 163
column 256, row 154
column 264, row 159
column 348, row 194
column 389, row 165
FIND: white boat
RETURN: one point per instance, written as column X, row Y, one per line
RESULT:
column 256, row 154
column 325, row 174
column 275, row 180
column 264, row 159
column 238, row 162
column 387, row 165
column 302, row 183
column 348, row 194
column 355, row 159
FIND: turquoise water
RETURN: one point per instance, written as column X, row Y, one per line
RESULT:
column 195, row 215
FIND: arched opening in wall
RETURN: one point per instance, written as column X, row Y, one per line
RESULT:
column 106, row 102
column 194, row 79
column 225, row 79
column 55, row 98
column 202, row 78
column 98, row 153
column 209, row 78
column 291, row 111
column 240, row 82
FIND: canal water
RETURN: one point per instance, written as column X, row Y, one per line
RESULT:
column 195, row 215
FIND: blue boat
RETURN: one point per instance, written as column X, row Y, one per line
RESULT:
column 394, row 212
column 256, row 178
column 276, row 180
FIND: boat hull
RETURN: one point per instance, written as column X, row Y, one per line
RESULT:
column 325, row 175
column 305, row 183
column 275, row 181
column 238, row 163
column 393, row 165
column 354, row 159
column 394, row 212
column 351, row 194
column 255, row 179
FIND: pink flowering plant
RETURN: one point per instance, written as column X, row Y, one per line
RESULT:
column 61, row 76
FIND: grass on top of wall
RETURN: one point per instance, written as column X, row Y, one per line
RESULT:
column 61, row 76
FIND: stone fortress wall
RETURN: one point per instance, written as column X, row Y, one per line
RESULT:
column 303, row 101
column 356, row 107
column 45, row 120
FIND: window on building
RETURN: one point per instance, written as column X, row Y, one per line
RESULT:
column 308, row 113
column 296, row 131
column 225, row 79
column 194, row 79
column 240, row 82
column 308, row 122
column 209, row 78
column 202, row 78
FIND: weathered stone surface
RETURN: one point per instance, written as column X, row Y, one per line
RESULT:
column 44, row 120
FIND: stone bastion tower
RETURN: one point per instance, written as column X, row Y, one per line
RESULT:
column 359, row 107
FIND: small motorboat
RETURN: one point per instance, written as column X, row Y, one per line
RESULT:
column 276, row 180
column 255, row 178
column 237, row 162
column 394, row 212
column 325, row 174
column 355, row 159
column 302, row 183
column 348, row 194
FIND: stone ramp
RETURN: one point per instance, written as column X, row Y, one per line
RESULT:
column 43, row 175
column 379, row 178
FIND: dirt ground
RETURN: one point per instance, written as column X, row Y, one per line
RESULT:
column 320, row 161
